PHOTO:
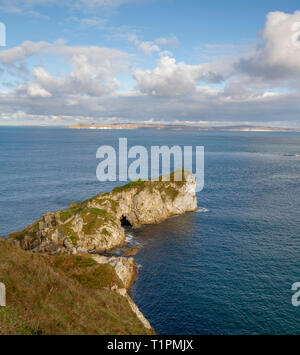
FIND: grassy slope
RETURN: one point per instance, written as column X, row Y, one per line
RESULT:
column 61, row 295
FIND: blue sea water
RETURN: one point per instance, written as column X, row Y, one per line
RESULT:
column 225, row 271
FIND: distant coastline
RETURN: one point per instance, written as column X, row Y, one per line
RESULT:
column 133, row 126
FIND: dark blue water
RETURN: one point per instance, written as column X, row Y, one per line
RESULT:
column 226, row 271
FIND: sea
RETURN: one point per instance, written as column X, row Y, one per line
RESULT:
column 225, row 269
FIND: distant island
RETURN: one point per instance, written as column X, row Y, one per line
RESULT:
column 131, row 126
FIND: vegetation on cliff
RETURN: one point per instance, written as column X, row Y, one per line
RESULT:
column 62, row 294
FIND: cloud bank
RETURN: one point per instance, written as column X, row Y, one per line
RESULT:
column 259, row 86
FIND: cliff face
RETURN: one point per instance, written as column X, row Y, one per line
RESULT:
column 97, row 224
column 126, row 270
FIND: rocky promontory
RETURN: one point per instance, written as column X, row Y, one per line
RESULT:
column 97, row 224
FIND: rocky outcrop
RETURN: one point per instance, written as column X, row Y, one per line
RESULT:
column 131, row 251
column 125, row 268
column 96, row 225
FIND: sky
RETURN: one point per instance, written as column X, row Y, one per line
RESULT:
column 216, row 63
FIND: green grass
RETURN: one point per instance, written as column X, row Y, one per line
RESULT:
column 105, row 232
column 172, row 177
column 87, row 271
column 102, row 276
column 74, row 239
column 10, row 318
column 113, row 204
column 20, row 236
column 61, row 294
column 171, row 192
column 66, row 214
column 97, row 211
column 66, row 229
column 104, row 201
column 93, row 221
column 130, row 185
column 68, row 262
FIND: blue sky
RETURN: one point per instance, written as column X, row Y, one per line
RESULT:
column 171, row 61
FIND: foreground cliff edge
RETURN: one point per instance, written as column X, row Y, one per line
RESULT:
column 70, row 289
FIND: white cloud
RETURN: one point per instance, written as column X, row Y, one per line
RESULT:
column 34, row 90
column 105, row 60
column 83, row 80
column 132, row 38
column 148, row 47
column 226, row 89
column 277, row 58
column 201, row 105
column 90, row 22
column 167, row 41
column 170, row 79
column 94, row 69
column 25, row 50
column 166, row 54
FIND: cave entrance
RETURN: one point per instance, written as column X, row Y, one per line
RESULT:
column 125, row 222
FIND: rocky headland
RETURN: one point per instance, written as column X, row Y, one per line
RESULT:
column 97, row 225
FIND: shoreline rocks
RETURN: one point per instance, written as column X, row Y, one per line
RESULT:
column 131, row 251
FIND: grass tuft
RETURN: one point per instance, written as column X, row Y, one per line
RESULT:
column 130, row 185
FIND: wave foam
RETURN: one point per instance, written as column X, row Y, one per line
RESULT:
column 202, row 210
column 129, row 237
